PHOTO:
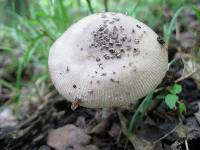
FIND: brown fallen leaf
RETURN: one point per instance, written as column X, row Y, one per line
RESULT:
column 80, row 122
column 191, row 62
column 115, row 130
column 67, row 136
column 102, row 127
column 88, row 147
column 134, row 139
column 197, row 114
column 192, row 128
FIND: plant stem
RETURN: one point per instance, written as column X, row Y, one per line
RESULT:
column 173, row 21
column 173, row 61
column 186, row 76
column 106, row 5
column 135, row 7
column 90, row 6
column 138, row 116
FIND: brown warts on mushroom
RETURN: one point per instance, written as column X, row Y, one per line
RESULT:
column 123, row 39
column 74, row 86
column 160, row 40
column 134, row 69
column 67, row 70
column 90, row 91
column 103, row 74
column 111, row 50
column 128, row 47
column 75, row 104
column 108, row 42
column 106, row 21
column 111, row 22
column 106, row 56
column 136, row 41
column 118, row 44
column 136, row 52
column 138, row 26
column 141, row 36
column 122, row 50
column 100, row 65
column 130, row 64
column 121, row 28
column 116, row 19
column 118, row 55
column 114, row 81
column 98, row 59
column 129, row 39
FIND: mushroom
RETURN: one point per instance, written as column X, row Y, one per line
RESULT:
column 107, row 60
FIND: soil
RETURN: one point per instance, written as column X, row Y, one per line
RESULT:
column 32, row 132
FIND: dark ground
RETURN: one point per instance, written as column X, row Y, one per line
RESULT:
column 164, row 128
column 106, row 134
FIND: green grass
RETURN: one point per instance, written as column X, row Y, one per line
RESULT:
column 138, row 116
column 168, row 30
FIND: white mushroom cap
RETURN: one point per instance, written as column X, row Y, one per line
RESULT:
column 107, row 59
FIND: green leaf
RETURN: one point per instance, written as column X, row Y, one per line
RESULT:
column 181, row 107
column 169, row 30
column 160, row 97
column 170, row 100
column 175, row 89
column 197, row 13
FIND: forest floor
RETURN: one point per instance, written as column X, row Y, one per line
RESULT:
column 46, row 121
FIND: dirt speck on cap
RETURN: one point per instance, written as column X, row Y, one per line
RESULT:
column 160, row 40
column 138, row 26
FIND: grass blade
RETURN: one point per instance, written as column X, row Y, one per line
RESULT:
column 170, row 28
column 25, row 59
column 135, row 7
column 90, row 6
column 138, row 116
column 106, row 5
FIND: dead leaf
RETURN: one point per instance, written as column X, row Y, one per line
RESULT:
column 115, row 130
column 7, row 118
column 197, row 114
column 79, row 147
column 187, row 40
column 80, row 122
column 67, row 136
column 192, row 128
column 191, row 62
column 102, row 127
column 137, row 142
